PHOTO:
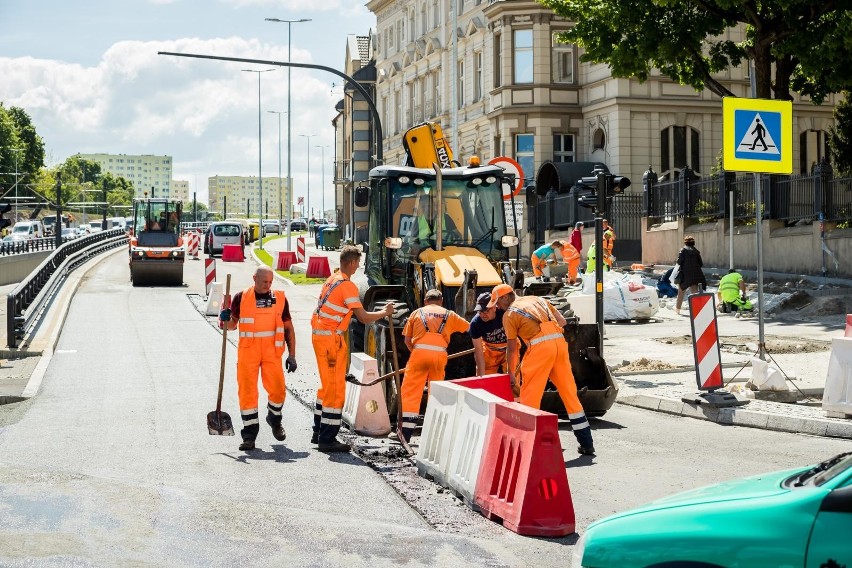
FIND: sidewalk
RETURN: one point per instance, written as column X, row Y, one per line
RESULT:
column 665, row 338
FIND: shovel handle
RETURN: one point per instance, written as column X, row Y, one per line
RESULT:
column 393, row 374
column 224, row 347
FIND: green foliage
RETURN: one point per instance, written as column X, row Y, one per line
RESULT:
column 841, row 137
column 804, row 43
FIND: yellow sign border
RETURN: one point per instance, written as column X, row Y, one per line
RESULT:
column 729, row 145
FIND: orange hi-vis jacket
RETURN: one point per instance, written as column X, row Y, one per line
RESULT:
column 339, row 296
column 257, row 323
column 571, row 257
column 260, row 329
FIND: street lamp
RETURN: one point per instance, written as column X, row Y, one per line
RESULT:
column 280, row 214
column 289, row 114
column 322, row 187
column 17, row 151
column 259, row 152
column 308, row 136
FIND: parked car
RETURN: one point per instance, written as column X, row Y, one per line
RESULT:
column 799, row 517
column 272, row 227
column 298, row 225
column 223, row 233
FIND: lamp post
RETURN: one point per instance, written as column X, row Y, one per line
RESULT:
column 289, row 178
column 259, row 152
column 322, row 187
column 308, row 136
column 280, row 214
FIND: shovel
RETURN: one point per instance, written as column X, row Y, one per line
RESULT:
column 218, row 422
column 398, row 388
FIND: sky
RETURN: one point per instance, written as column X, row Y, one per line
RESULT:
column 89, row 75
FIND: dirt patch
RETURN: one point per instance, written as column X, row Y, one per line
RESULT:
column 774, row 344
column 645, row 364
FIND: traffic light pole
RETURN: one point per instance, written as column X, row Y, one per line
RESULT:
column 600, row 211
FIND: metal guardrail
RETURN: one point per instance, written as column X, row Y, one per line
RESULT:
column 24, row 304
column 29, row 245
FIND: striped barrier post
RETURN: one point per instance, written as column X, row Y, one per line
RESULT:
column 192, row 244
column 300, row 249
column 209, row 274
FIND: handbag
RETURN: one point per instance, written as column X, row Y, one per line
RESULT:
column 675, row 277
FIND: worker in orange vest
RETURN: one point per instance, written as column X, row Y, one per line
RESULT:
column 339, row 300
column 608, row 243
column 571, row 257
column 427, row 335
column 263, row 316
column 538, row 324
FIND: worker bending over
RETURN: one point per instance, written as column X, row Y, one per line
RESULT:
column 541, row 256
column 427, row 334
column 489, row 337
column 536, row 322
column 571, row 257
column 732, row 293
column 338, row 300
column 608, row 243
column 263, row 316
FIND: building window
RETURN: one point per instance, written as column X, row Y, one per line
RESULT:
column 436, row 81
column 412, row 94
column 423, row 18
column 525, row 154
column 498, row 61
column 460, row 84
column 477, row 76
column 436, row 15
column 563, row 62
column 523, row 61
column 385, row 122
column 397, row 105
column 401, row 31
column 459, row 7
column 421, row 99
column 813, row 148
column 679, row 147
column 563, row 147
column 411, row 27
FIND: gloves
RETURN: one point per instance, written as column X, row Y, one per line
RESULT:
column 225, row 315
column 290, row 364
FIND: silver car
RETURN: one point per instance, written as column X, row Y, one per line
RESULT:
column 220, row 234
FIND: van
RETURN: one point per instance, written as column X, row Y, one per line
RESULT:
column 223, row 233
column 118, row 223
column 29, row 229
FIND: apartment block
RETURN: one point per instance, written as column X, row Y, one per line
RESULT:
column 239, row 196
column 180, row 190
column 147, row 173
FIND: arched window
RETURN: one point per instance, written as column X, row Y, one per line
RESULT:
column 679, row 147
column 598, row 139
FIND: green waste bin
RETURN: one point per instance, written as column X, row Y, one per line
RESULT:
column 331, row 238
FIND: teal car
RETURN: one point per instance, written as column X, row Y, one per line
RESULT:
column 797, row 518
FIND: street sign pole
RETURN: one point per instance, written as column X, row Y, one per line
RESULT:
column 758, row 206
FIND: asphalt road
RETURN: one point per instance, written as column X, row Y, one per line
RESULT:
column 111, row 463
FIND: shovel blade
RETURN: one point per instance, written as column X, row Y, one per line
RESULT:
column 219, row 424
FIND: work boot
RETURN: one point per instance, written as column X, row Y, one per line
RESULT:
column 247, row 445
column 333, row 447
column 315, row 437
column 277, row 430
column 590, row 451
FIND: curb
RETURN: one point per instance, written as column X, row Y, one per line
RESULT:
column 740, row 416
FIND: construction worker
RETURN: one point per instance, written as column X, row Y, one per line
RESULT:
column 571, row 257
column 533, row 320
column 489, row 338
column 591, row 260
column 542, row 256
column 608, row 243
column 263, row 316
column 427, row 335
column 732, row 293
column 338, row 301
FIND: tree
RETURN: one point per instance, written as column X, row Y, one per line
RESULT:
column 841, row 137
column 804, row 42
column 33, row 154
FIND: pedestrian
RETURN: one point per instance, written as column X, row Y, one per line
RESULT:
column 489, row 337
column 732, row 293
column 312, row 227
column 427, row 336
column 576, row 238
column 535, row 321
column 608, row 243
column 542, row 256
column 263, row 316
column 691, row 278
column 664, row 285
column 338, row 301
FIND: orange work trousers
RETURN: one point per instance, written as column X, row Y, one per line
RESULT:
column 423, row 366
column 495, row 358
column 331, row 352
column 548, row 359
column 537, row 265
column 260, row 357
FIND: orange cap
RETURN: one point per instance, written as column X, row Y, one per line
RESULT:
column 499, row 291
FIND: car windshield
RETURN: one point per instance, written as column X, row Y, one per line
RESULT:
column 472, row 214
column 824, row 472
column 21, row 229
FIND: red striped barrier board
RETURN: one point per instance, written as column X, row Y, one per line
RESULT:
column 705, row 341
column 848, row 332
column 209, row 273
column 300, row 249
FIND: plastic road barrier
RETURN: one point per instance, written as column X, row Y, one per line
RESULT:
column 499, row 385
column 209, row 273
column 232, row 253
column 215, row 297
column 365, row 410
column 436, row 438
column 705, row 340
column 837, row 396
column 286, row 258
column 318, row 267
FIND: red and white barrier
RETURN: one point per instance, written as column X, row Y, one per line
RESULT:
column 837, row 396
column 848, row 332
column 499, row 385
column 365, row 410
column 300, row 249
column 209, row 274
column 705, row 341
column 193, row 240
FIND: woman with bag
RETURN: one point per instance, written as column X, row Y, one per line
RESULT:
column 690, row 277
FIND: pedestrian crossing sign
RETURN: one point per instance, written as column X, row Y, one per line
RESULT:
column 757, row 135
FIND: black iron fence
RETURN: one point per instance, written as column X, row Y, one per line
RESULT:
column 791, row 199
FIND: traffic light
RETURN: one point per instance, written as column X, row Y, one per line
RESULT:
column 5, row 208
column 616, row 185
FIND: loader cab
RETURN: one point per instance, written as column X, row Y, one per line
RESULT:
column 405, row 205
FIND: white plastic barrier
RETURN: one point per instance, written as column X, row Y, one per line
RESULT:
column 365, row 410
column 583, row 306
column 436, row 438
column 837, row 396
column 474, row 419
column 215, row 298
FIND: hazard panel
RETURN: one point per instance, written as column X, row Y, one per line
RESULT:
column 757, row 135
column 705, row 341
